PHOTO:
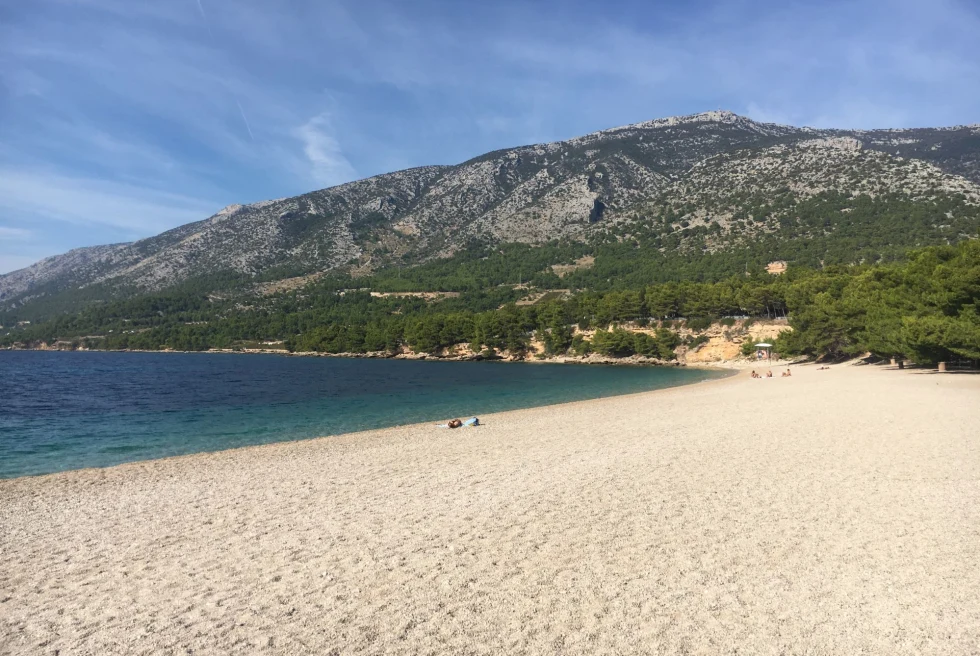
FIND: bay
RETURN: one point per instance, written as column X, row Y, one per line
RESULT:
column 69, row 410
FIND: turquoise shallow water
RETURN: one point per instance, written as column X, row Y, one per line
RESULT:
column 62, row 411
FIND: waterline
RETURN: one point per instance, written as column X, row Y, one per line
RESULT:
column 75, row 409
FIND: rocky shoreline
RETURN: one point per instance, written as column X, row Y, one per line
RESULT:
column 592, row 358
column 721, row 349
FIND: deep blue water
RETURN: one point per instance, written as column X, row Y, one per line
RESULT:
column 70, row 410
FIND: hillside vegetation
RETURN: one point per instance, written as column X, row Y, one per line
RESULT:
column 618, row 230
column 926, row 308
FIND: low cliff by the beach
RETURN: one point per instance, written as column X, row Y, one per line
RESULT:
column 722, row 344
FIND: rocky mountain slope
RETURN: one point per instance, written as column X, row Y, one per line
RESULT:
column 744, row 194
column 708, row 169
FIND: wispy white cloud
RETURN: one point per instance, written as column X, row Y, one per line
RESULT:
column 860, row 113
column 90, row 143
column 765, row 114
column 13, row 233
column 19, row 81
column 111, row 105
column 329, row 166
column 44, row 196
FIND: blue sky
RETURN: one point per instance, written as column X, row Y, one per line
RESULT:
column 120, row 118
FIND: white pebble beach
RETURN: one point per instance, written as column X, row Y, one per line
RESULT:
column 833, row 512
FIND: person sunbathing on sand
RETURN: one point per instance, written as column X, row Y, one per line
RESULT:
column 755, row 375
column 457, row 423
column 787, row 374
column 769, row 374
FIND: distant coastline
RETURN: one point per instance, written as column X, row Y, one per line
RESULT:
column 714, row 347
column 591, row 359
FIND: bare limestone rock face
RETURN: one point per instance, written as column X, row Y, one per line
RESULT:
column 529, row 194
column 843, row 143
column 63, row 268
column 804, row 169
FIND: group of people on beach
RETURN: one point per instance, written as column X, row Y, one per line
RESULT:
column 768, row 374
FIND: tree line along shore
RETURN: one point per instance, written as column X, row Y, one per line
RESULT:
column 925, row 308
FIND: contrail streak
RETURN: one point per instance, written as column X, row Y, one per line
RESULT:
column 207, row 24
column 244, row 119
column 205, row 17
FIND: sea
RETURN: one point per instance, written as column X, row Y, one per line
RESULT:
column 71, row 410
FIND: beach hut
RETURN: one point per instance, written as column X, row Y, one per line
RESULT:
column 767, row 348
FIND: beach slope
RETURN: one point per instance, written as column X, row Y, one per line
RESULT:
column 834, row 512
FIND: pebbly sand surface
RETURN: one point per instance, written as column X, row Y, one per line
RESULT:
column 834, row 512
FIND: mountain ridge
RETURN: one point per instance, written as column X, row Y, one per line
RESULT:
column 571, row 189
